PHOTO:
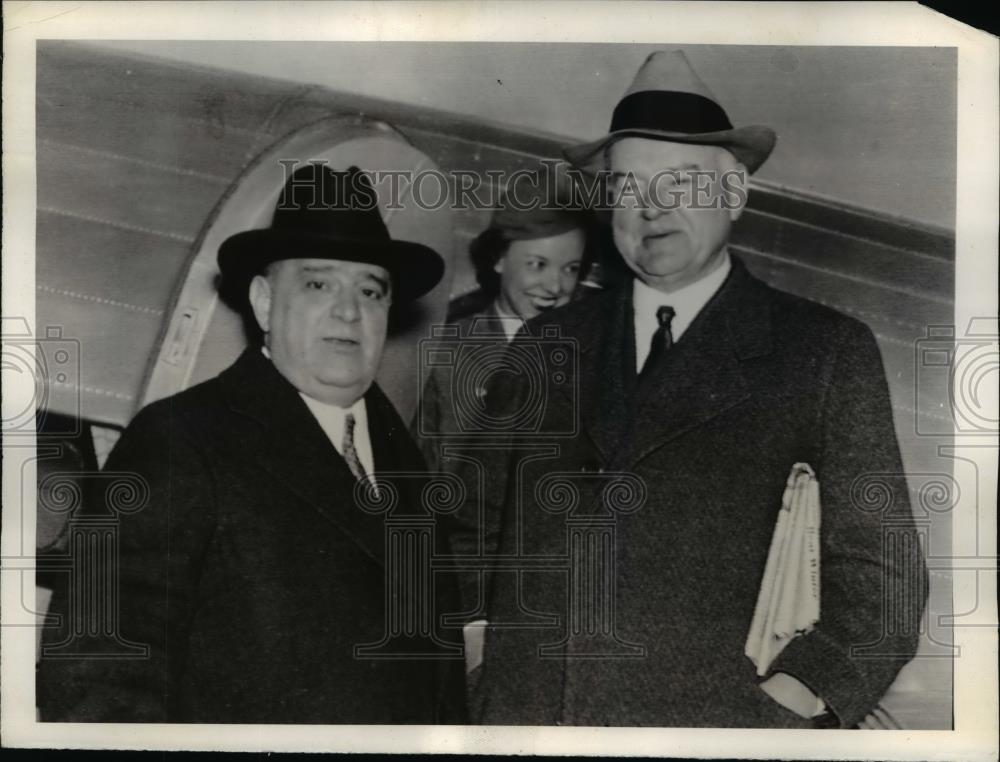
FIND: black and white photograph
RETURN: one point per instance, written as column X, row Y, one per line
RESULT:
column 476, row 385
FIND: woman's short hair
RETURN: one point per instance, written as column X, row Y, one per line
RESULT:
column 485, row 251
column 508, row 226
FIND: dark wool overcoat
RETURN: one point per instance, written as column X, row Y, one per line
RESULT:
column 761, row 380
column 458, row 381
column 252, row 574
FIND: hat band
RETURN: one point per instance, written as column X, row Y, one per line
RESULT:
column 669, row 111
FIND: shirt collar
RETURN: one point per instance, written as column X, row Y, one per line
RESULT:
column 333, row 421
column 511, row 324
column 325, row 410
column 687, row 302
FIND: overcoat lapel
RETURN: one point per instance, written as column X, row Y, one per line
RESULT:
column 700, row 378
column 397, row 458
column 293, row 448
column 702, row 375
column 607, row 372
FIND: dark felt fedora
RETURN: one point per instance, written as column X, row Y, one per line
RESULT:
column 326, row 214
column 668, row 101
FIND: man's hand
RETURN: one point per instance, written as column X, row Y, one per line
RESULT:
column 792, row 695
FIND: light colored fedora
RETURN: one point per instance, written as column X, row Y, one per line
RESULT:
column 668, row 101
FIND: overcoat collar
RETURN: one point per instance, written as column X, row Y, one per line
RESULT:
column 292, row 447
column 701, row 377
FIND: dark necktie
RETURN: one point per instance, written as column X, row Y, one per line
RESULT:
column 350, row 454
column 662, row 338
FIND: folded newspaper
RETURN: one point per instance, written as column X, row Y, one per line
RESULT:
column 788, row 602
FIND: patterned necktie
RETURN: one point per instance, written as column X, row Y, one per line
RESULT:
column 662, row 338
column 350, row 454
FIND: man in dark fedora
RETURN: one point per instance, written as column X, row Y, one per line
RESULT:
column 708, row 386
column 252, row 575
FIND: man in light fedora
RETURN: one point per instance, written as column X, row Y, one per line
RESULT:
column 709, row 386
column 252, row 574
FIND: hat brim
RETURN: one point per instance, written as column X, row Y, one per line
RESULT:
column 414, row 268
column 750, row 145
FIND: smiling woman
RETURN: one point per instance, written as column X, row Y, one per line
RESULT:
column 529, row 260
column 537, row 275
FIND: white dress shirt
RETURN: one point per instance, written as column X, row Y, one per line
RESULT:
column 332, row 420
column 687, row 302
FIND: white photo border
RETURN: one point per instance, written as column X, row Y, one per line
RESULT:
column 891, row 24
